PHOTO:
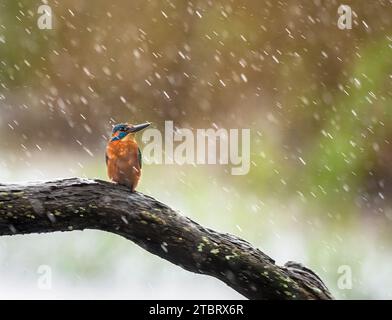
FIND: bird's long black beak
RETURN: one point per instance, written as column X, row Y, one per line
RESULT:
column 138, row 127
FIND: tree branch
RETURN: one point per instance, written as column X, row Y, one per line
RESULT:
column 77, row 204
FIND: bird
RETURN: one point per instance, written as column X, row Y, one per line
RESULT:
column 123, row 156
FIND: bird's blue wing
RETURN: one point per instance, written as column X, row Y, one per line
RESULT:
column 139, row 156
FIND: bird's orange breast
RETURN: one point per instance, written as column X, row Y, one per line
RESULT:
column 123, row 163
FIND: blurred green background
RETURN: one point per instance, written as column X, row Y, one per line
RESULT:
column 316, row 98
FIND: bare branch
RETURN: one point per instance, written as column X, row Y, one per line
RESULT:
column 77, row 204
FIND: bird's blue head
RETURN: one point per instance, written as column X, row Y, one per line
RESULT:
column 121, row 130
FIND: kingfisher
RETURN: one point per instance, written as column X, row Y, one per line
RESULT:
column 123, row 156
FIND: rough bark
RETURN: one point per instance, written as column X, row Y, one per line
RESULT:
column 77, row 204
